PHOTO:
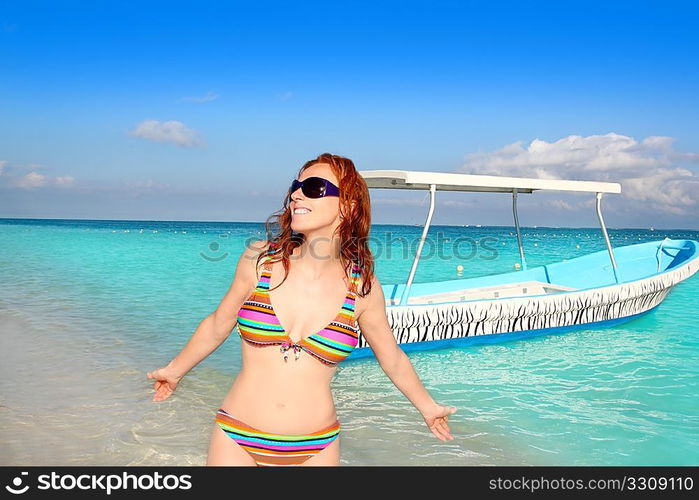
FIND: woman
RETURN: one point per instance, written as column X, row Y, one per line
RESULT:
column 280, row 409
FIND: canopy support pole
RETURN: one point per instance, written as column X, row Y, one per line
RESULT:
column 519, row 236
column 406, row 291
column 598, row 197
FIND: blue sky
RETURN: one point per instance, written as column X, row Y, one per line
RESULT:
column 182, row 111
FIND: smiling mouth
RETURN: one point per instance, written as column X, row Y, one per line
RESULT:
column 301, row 211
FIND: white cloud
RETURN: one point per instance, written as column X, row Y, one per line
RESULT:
column 64, row 181
column 210, row 96
column 30, row 181
column 147, row 185
column 457, row 203
column 415, row 200
column 172, row 131
column 676, row 189
column 33, row 179
column 647, row 170
column 559, row 205
column 131, row 188
column 285, row 96
column 412, row 201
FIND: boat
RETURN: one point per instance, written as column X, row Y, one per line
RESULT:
column 598, row 290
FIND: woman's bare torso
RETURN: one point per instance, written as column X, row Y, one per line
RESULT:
column 291, row 396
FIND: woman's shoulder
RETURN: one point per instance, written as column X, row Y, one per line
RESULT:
column 373, row 288
column 361, row 281
column 252, row 253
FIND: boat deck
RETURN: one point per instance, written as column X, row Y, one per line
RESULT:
column 521, row 289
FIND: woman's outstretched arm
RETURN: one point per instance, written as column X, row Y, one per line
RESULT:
column 213, row 330
column 375, row 328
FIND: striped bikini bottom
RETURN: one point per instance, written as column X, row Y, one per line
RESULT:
column 270, row 449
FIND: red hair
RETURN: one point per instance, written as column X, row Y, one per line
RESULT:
column 353, row 229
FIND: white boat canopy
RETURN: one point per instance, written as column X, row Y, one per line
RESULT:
column 449, row 181
column 406, row 179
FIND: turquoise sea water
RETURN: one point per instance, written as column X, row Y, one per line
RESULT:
column 88, row 307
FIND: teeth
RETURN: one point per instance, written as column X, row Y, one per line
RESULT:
column 301, row 211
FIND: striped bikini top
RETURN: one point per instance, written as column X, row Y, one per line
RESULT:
column 258, row 324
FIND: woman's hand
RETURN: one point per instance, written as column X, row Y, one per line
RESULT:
column 165, row 382
column 436, row 419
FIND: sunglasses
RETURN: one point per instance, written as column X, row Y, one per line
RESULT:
column 315, row 187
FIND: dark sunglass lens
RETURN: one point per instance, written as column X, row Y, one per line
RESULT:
column 314, row 187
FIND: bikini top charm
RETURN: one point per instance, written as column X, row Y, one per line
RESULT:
column 286, row 346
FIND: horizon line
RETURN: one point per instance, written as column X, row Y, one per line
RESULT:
column 373, row 223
